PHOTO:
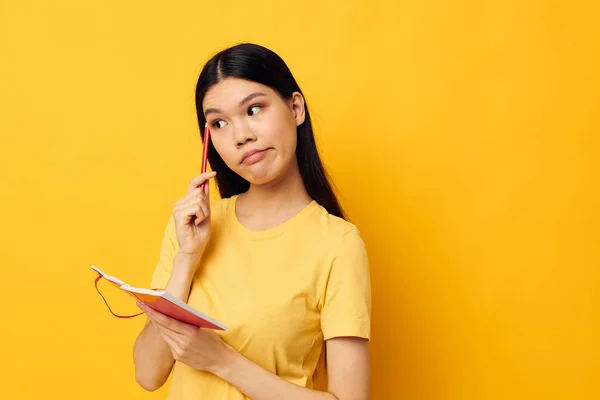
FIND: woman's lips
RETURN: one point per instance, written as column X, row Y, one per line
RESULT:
column 253, row 156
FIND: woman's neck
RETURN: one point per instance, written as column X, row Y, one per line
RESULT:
column 266, row 206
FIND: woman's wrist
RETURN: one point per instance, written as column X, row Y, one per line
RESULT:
column 226, row 362
column 184, row 268
column 188, row 260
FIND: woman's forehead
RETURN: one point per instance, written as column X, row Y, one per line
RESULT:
column 229, row 92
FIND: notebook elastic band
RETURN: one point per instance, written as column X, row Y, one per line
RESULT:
column 105, row 302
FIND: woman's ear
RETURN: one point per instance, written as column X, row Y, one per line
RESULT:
column 297, row 107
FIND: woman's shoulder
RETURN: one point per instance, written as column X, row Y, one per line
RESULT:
column 337, row 228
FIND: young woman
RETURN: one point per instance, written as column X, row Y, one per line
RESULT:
column 273, row 259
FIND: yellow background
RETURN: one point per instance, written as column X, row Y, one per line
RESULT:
column 463, row 135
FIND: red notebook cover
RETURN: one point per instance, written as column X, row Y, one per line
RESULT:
column 166, row 304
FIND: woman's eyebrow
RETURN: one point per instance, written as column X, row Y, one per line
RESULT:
column 245, row 100
column 250, row 97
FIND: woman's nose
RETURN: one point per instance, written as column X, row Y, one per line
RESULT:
column 243, row 134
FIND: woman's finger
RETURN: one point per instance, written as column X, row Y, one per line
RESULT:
column 187, row 205
column 169, row 340
column 186, row 215
column 173, row 336
column 166, row 322
column 205, row 210
column 195, row 211
column 197, row 198
column 198, row 180
column 190, row 198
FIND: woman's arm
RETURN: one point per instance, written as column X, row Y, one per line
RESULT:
column 348, row 369
column 203, row 349
column 152, row 357
column 183, row 245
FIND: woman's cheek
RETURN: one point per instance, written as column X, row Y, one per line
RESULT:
column 223, row 152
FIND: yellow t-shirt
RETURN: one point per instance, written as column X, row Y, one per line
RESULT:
column 281, row 293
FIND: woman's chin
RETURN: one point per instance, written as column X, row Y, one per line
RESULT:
column 261, row 178
column 265, row 173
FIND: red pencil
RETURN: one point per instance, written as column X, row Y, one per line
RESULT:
column 205, row 151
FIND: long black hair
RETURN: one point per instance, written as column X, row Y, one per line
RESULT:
column 258, row 64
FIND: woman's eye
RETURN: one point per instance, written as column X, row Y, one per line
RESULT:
column 254, row 110
column 218, row 124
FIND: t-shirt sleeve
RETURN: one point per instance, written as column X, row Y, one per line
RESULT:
column 167, row 252
column 346, row 309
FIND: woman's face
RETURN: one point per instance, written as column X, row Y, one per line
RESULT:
column 253, row 129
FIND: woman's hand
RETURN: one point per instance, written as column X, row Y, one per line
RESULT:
column 202, row 349
column 192, row 216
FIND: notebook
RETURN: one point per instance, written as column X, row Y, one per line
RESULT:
column 164, row 303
